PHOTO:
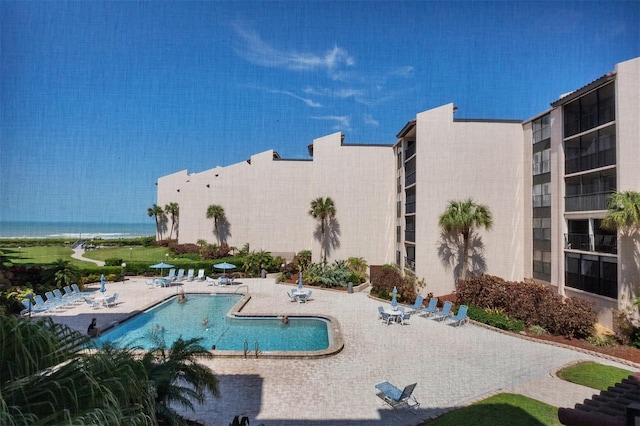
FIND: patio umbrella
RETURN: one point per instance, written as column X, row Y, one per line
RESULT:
column 300, row 281
column 102, row 287
column 224, row 266
column 394, row 302
column 161, row 266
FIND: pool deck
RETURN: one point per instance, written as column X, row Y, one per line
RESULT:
column 452, row 366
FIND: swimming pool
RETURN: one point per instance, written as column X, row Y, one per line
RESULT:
column 171, row 320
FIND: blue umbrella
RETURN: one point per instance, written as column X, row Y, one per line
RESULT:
column 224, row 266
column 161, row 266
column 300, row 281
column 102, row 287
column 394, row 302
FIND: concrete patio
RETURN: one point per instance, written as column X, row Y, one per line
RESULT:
column 452, row 366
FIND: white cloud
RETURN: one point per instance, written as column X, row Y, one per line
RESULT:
column 253, row 48
column 368, row 119
column 405, row 71
column 342, row 122
column 307, row 101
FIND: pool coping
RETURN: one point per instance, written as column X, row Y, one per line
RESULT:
column 336, row 341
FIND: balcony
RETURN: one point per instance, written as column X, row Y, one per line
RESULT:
column 586, row 202
column 594, row 243
column 410, row 236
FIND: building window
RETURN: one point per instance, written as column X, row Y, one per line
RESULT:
column 399, row 209
column 590, row 191
column 586, row 235
column 604, row 241
column 591, row 110
column 542, row 228
column 410, row 172
column 410, row 151
column 542, row 162
column 542, row 195
column 399, row 165
column 398, row 257
column 591, row 273
column 542, row 265
column 410, row 261
column 542, row 128
column 590, row 151
column 410, row 204
column 410, row 229
column 398, row 234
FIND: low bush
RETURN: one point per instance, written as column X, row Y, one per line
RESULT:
column 495, row 319
column 389, row 276
column 532, row 303
column 112, row 261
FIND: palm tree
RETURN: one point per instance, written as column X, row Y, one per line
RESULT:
column 461, row 218
column 216, row 212
column 48, row 377
column 173, row 209
column 177, row 377
column 623, row 211
column 323, row 209
column 61, row 273
column 157, row 212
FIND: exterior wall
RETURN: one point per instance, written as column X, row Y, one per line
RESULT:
column 267, row 200
column 458, row 160
column 628, row 177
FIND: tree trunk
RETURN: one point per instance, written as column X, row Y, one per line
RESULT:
column 465, row 255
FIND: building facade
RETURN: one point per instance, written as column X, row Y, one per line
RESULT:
column 546, row 181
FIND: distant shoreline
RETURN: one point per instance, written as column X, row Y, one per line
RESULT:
column 77, row 230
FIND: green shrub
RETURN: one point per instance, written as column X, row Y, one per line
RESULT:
column 495, row 320
column 112, row 261
column 389, row 277
column 537, row 330
column 532, row 303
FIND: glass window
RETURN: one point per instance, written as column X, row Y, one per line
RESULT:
column 541, row 128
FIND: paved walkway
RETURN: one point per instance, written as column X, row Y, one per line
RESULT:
column 452, row 366
column 78, row 253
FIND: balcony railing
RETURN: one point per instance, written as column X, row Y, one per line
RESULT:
column 410, row 236
column 586, row 202
column 595, row 243
column 410, row 264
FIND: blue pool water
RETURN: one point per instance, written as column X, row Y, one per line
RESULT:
column 172, row 319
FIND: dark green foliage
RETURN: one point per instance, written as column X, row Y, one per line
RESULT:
column 533, row 303
column 390, row 276
column 214, row 251
column 180, row 249
column 113, row 261
column 495, row 319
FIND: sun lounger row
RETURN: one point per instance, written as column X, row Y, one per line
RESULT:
column 431, row 310
column 55, row 300
column 182, row 277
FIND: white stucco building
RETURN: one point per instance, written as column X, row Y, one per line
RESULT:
column 546, row 181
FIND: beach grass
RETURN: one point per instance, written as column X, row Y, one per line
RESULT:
column 501, row 409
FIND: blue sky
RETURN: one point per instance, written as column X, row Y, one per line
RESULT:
column 99, row 99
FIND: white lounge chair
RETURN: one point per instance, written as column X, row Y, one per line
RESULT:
column 201, row 276
column 190, row 274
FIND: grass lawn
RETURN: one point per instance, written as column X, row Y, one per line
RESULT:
column 41, row 255
column 501, row 409
column 594, row 375
column 135, row 253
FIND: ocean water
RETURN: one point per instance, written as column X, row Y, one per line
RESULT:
column 78, row 230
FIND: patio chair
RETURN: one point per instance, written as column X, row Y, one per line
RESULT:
column 404, row 318
column 180, row 276
column 211, row 281
column 190, row 274
column 398, row 399
column 417, row 305
column 384, row 317
column 33, row 308
column 304, row 297
column 201, row 276
column 150, row 284
column 461, row 317
column 431, row 308
column 445, row 312
column 91, row 302
column 172, row 274
column 113, row 300
column 293, row 297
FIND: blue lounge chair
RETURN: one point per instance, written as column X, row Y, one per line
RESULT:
column 417, row 305
column 76, row 290
column 172, row 275
column 398, row 399
column 52, row 302
column 190, row 274
column 445, row 312
column 461, row 317
column 68, row 293
column 60, row 297
column 180, row 276
column 40, row 302
column 431, row 308
column 34, row 309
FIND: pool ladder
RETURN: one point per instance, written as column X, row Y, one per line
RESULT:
column 246, row 349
